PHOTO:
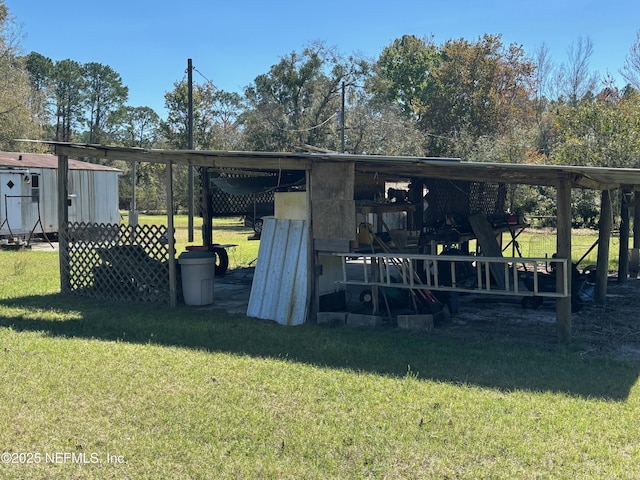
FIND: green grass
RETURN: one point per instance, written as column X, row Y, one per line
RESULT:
column 538, row 243
column 225, row 231
column 533, row 243
column 541, row 243
column 186, row 393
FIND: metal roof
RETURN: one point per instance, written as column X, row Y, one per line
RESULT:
column 45, row 160
column 390, row 166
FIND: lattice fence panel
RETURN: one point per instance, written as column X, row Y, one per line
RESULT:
column 487, row 197
column 226, row 204
column 460, row 199
column 118, row 262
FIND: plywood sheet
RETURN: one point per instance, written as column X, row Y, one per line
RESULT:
column 332, row 203
column 291, row 205
column 334, row 218
column 332, row 180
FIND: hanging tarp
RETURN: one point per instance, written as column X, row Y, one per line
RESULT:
column 257, row 184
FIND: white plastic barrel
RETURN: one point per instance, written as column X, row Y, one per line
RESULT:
column 198, row 271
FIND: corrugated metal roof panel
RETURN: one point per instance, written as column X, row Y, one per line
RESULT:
column 599, row 178
column 280, row 289
column 45, row 160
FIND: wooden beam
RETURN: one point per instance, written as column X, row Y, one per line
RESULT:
column 173, row 296
column 235, row 160
column 459, row 172
column 63, row 221
column 604, row 235
column 563, row 248
column 598, row 178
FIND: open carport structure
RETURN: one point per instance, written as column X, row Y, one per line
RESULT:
column 329, row 198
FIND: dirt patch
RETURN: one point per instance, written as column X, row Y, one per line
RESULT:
column 611, row 330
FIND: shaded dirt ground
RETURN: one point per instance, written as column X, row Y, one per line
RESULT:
column 611, row 330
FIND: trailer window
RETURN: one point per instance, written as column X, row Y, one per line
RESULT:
column 35, row 188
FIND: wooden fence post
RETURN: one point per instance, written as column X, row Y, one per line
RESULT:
column 173, row 296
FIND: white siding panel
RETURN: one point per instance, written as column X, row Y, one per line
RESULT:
column 95, row 196
column 49, row 199
column 280, row 289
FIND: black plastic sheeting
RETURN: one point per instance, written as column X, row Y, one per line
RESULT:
column 258, row 184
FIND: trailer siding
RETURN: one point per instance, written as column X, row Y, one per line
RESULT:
column 93, row 194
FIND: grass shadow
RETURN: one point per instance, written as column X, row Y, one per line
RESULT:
column 383, row 351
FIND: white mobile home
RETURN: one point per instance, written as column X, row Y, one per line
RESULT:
column 29, row 193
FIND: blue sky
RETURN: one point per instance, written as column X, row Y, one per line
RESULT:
column 148, row 42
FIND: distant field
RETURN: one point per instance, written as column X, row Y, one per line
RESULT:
column 542, row 242
column 532, row 242
column 225, row 231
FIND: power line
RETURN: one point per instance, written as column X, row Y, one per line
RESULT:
column 315, row 126
column 201, row 74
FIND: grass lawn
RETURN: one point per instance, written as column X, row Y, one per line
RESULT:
column 541, row 243
column 226, row 231
column 128, row 391
column 533, row 243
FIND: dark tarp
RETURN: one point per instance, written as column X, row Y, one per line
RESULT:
column 258, row 184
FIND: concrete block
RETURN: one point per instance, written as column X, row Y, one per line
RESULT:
column 331, row 318
column 634, row 262
column 359, row 320
column 416, row 322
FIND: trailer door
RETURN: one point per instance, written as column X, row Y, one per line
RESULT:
column 10, row 202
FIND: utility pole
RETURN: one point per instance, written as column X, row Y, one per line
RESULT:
column 342, row 121
column 190, row 147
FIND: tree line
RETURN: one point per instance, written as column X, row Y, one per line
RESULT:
column 479, row 99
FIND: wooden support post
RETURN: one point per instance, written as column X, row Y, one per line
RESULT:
column 313, row 280
column 63, row 222
column 604, row 235
column 563, row 247
column 636, row 219
column 623, row 254
column 133, row 211
column 190, row 205
column 415, row 219
column 207, row 208
column 173, row 297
